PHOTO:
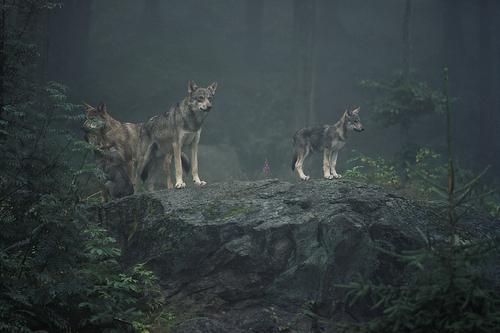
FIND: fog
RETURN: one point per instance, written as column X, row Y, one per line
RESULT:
column 282, row 65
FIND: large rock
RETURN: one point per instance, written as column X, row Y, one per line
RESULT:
column 252, row 256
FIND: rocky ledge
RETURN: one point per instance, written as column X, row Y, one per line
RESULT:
column 253, row 256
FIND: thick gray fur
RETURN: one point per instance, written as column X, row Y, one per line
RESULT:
column 329, row 139
column 163, row 136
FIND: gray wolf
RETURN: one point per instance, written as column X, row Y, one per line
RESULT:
column 116, row 182
column 164, row 135
column 114, row 177
column 327, row 138
column 105, row 131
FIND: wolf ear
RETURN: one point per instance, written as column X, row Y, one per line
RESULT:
column 101, row 108
column 212, row 88
column 355, row 112
column 87, row 106
column 192, row 86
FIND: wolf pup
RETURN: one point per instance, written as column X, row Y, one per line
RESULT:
column 169, row 132
column 329, row 138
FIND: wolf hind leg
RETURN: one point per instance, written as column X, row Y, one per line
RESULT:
column 301, row 156
column 179, row 183
column 167, row 166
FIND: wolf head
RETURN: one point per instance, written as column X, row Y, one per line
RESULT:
column 94, row 118
column 200, row 99
column 353, row 120
column 94, row 124
column 92, row 112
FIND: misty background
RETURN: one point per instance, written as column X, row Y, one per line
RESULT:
column 282, row 65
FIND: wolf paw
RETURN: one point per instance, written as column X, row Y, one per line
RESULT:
column 337, row 176
column 328, row 176
column 180, row 185
column 201, row 183
column 305, row 177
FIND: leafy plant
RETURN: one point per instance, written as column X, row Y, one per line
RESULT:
column 402, row 98
column 373, row 170
column 59, row 272
column 428, row 164
column 450, row 286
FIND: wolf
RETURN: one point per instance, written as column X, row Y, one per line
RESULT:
column 164, row 135
column 117, row 183
column 105, row 131
column 329, row 138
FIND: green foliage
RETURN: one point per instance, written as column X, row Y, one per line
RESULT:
column 492, row 206
column 446, row 292
column 401, row 99
column 59, row 272
column 373, row 170
column 429, row 164
column 423, row 173
column 449, row 284
column 108, row 293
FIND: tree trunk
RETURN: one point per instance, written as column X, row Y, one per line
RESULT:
column 253, row 20
column 152, row 15
column 69, row 29
column 407, row 38
column 42, row 40
column 486, row 108
column 3, row 55
column 458, row 62
column 454, row 50
column 313, row 77
column 303, row 48
column 407, row 20
column 496, row 84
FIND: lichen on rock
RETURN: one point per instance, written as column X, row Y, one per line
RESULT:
column 251, row 256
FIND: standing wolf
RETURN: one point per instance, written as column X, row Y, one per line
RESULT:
column 166, row 134
column 123, row 136
column 103, row 131
column 329, row 138
column 114, row 178
column 116, row 181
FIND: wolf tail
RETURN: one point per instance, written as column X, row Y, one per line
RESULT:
column 294, row 159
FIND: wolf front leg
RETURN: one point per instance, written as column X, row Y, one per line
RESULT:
column 327, row 152
column 333, row 164
column 179, row 183
column 194, row 161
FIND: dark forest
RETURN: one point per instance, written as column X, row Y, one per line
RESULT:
column 346, row 178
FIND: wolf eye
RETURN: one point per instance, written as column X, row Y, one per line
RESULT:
column 200, row 99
